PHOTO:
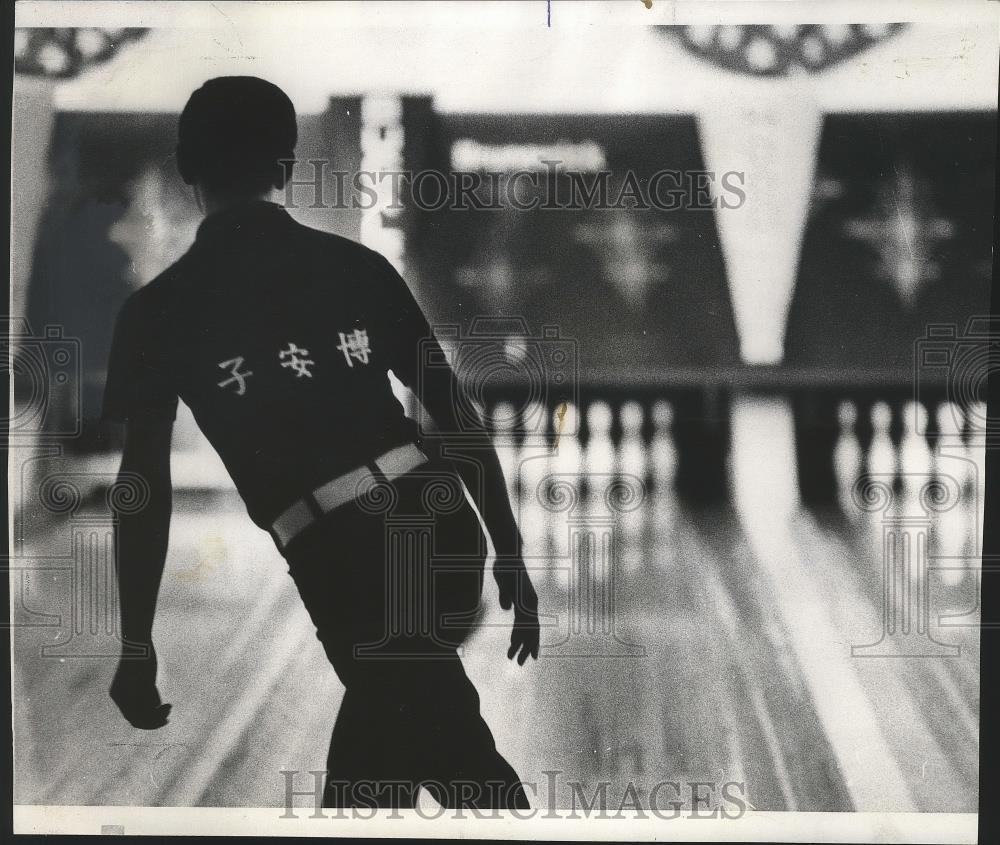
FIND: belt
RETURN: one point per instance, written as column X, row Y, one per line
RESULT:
column 343, row 489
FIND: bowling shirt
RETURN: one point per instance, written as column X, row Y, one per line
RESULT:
column 279, row 338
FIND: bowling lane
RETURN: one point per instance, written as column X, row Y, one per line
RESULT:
column 900, row 718
column 700, row 703
column 238, row 660
column 683, row 646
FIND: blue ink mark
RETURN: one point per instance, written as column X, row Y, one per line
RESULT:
column 548, row 13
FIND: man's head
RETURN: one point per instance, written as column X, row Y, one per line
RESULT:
column 233, row 133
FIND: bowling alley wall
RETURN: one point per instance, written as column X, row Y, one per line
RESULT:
column 898, row 232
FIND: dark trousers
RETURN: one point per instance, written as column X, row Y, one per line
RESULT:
column 392, row 583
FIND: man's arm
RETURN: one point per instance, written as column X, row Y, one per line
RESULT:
column 142, row 553
column 439, row 389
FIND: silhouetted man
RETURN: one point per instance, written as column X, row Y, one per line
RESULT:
column 279, row 338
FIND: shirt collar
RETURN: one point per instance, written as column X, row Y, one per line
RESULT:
column 252, row 216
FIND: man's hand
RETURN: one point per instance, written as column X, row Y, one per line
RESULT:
column 134, row 691
column 517, row 591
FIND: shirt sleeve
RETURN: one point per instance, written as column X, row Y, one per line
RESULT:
column 138, row 384
column 413, row 340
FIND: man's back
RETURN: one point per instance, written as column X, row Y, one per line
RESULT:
column 278, row 337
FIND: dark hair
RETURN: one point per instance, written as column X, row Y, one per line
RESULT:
column 233, row 132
